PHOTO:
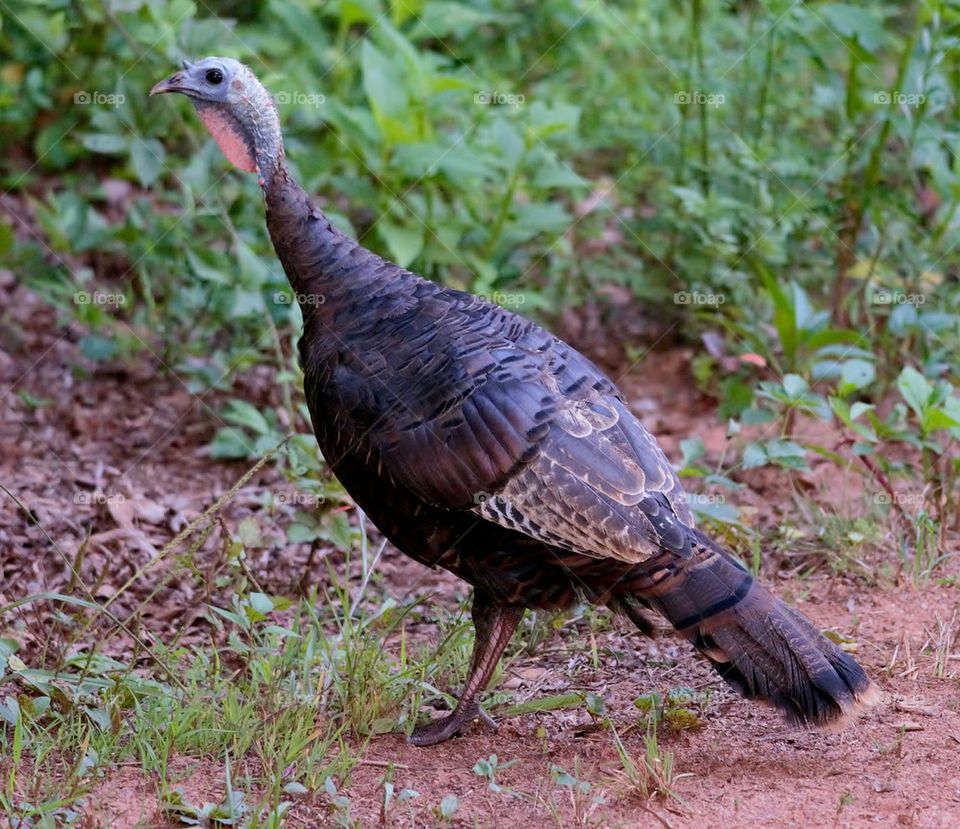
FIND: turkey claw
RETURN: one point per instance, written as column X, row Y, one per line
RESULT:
column 439, row 731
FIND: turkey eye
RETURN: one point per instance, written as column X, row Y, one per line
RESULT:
column 214, row 76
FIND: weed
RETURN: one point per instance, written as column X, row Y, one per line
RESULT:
column 584, row 800
column 446, row 810
column 489, row 768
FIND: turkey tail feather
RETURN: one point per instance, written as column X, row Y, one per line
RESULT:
column 760, row 646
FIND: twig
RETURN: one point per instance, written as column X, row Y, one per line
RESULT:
column 383, row 764
column 881, row 478
column 208, row 514
column 659, row 817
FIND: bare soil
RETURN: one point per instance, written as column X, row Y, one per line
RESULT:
column 141, row 433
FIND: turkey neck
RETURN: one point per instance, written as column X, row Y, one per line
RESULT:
column 337, row 282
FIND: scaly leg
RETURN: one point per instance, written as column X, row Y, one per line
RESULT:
column 494, row 624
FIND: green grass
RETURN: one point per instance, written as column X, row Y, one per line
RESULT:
column 283, row 695
column 289, row 704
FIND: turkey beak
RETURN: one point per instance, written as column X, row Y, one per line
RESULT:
column 175, row 83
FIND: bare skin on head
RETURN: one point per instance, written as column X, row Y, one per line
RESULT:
column 236, row 109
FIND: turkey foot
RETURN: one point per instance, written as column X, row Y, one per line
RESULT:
column 494, row 624
column 443, row 729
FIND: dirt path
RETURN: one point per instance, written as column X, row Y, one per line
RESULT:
column 899, row 765
column 143, row 435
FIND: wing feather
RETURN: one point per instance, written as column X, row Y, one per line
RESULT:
column 599, row 485
column 494, row 415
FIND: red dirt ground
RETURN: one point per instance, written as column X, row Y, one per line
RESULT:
column 143, row 434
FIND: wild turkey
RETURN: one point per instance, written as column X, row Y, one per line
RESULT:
column 477, row 441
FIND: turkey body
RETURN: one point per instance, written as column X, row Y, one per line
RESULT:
column 477, row 441
column 436, row 409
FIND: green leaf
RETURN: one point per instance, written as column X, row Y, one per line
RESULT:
column 449, row 806
column 230, row 444
column 916, row 390
column 721, row 512
column 531, row 219
column 340, row 532
column 833, row 336
column 441, row 19
column 100, row 716
column 97, row 347
column 784, row 319
column 938, row 419
column 596, row 705
column 854, row 23
column 558, row 175
column 7, row 647
column 6, row 239
column 559, row 117
column 754, row 456
column 855, row 374
column 249, row 532
column 300, row 532
column 10, row 710
column 242, row 413
column 783, row 449
column 386, row 94
column 147, row 159
column 105, row 143
column 692, row 450
column 261, row 602
column 206, row 272
column 358, row 11
column 807, row 319
column 403, row 10
column 403, row 241
column 509, row 142
column 245, row 303
column 254, row 272
column 795, row 386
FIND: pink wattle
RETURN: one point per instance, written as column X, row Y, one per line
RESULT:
column 226, row 133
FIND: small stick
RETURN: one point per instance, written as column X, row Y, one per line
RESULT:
column 884, row 481
column 659, row 817
column 383, row 764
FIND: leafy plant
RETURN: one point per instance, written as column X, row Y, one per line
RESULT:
column 489, row 768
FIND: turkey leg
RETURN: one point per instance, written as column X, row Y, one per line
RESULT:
column 494, row 624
